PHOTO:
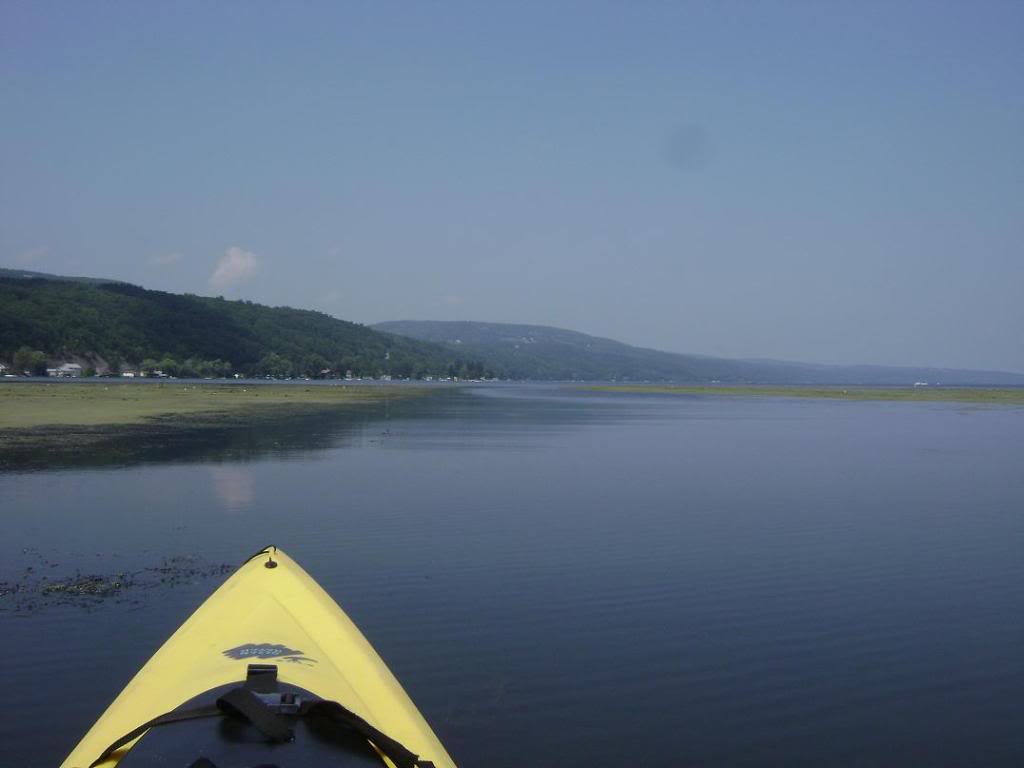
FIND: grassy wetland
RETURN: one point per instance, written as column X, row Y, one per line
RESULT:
column 32, row 405
column 44, row 424
column 977, row 395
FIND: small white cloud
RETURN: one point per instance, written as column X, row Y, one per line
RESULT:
column 237, row 265
column 165, row 259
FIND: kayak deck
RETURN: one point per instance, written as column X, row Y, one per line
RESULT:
column 227, row 743
column 269, row 611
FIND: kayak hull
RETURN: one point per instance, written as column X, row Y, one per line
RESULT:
column 265, row 615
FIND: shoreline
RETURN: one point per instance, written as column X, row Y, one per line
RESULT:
column 78, row 425
column 974, row 395
column 42, row 407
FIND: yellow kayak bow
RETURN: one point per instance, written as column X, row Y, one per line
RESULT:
column 269, row 613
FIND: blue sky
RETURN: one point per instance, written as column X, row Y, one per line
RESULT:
column 833, row 182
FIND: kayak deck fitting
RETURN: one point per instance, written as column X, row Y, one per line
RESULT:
column 268, row 671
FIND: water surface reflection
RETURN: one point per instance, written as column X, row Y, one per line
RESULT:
column 551, row 573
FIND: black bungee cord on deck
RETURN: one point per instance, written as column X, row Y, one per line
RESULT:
column 259, row 705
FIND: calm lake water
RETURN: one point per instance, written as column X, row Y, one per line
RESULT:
column 564, row 578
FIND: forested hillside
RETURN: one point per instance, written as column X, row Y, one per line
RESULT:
column 119, row 325
column 540, row 352
column 113, row 326
column 543, row 353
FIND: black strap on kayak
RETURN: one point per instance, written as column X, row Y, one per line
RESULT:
column 339, row 715
column 241, row 703
column 244, row 704
column 171, row 717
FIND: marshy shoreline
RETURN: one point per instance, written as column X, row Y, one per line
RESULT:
column 930, row 394
column 42, row 421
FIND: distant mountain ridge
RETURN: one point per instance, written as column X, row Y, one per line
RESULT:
column 541, row 352
column 27, row 274
column 112, row 323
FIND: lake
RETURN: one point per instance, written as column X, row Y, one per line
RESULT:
column 561, row 578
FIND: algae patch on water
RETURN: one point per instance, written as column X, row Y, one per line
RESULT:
column 41, row 586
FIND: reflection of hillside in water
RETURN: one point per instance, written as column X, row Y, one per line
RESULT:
column 280, row 434
column 474, row 418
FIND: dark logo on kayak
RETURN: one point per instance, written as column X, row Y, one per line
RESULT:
column 268, row 651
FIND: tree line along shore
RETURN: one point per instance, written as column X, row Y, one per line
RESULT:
column 113, row 328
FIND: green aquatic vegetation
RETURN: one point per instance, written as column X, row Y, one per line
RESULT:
column 41, row 585
column 98, row 586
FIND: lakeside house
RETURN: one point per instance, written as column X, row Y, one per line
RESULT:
column 66, row 370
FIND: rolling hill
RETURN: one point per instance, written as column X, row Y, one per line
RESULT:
column 27, row 274
column 540, row 352
column 110, row 324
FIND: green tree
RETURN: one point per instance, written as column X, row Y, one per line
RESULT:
column 23, row 359
column 274, row 365
column 169, row 366
column 37, row 363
